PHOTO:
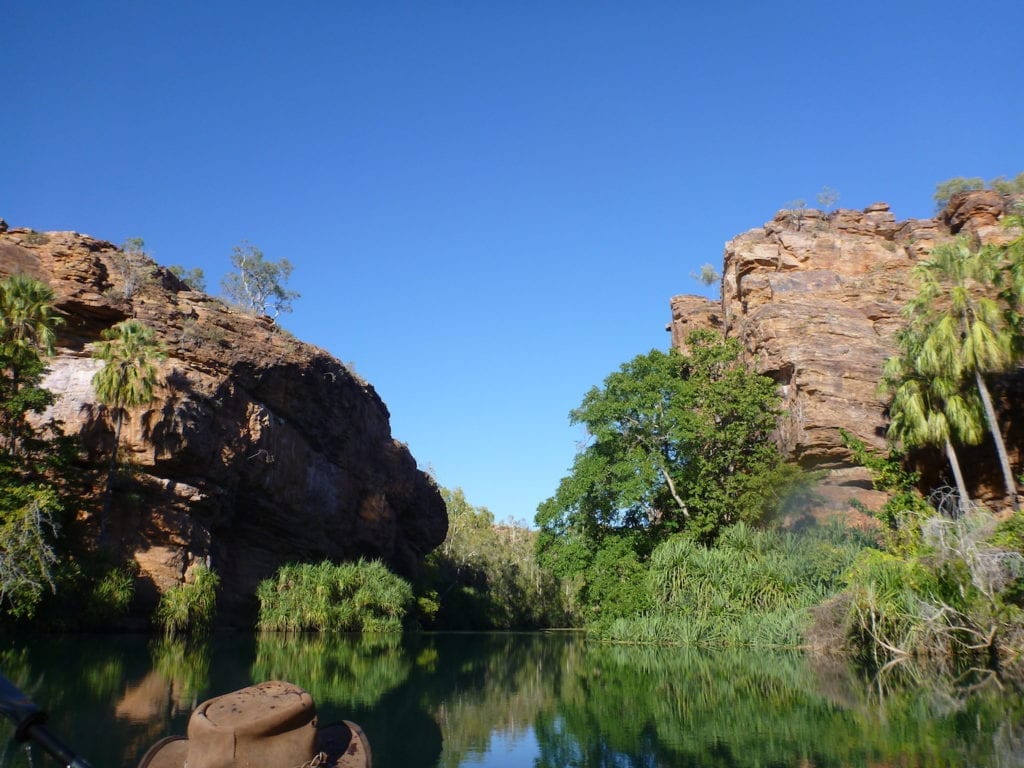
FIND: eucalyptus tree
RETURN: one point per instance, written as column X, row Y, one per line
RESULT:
column 257, row 284
column 929, row 409
column 963, row 329
column 677, row 442
column 130, row 351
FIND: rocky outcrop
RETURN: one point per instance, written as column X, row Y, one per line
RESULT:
column 259, row 449
column 815, row 300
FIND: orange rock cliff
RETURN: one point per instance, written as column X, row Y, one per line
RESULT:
column 815, row 299
column 259, row 449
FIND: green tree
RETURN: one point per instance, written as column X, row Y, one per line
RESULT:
column 194, row 278
column 929, row 408
column 134, row 265
column 1005, row 186
column 486, row 576
column 27, row 316
column 1011, row 279
column 258, row 284
column 130, row 352
column 707, row 275
column 28, row 532
column 963, row 328
column 945, row 190
column 29, row 505
column 827, row 198
column 28, row 326
column 676, row 442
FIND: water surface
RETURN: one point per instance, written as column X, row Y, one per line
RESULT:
column 524, row 700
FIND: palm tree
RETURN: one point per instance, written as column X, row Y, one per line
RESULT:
column 1011, row 280
column 28, row 325
column 27, row 316
column 929, row 410
column 963, row 330
column 130, row 350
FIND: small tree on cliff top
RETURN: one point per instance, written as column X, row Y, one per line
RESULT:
column 258, row 284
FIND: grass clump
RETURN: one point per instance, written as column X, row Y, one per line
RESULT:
column 751, row 588
column 363, row 596
column 111, row 595
column 189, row 608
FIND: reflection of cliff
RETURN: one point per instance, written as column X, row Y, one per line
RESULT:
column 259, row 450
column 816, row 302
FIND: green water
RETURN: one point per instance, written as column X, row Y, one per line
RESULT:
column 531, row 700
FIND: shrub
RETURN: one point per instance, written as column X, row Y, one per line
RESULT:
column 363, row 596
column 956, row 601
column 111, row 595
column 189, row 608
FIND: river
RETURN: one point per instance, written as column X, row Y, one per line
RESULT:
column 540, row 700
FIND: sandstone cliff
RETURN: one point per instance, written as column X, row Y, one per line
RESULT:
column 816, row 300
column 259, row 450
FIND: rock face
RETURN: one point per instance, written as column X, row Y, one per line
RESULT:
column 815, row 300
column 259, row 450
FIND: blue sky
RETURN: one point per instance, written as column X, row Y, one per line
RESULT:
column 489, row 204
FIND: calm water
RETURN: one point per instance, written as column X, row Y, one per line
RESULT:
column 525, row 700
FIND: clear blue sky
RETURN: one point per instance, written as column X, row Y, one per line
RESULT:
column 489, row 204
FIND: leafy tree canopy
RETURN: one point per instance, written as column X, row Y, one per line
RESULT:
column 257, row 284
column 945, row 190
column 676, row 442
column 194, row 278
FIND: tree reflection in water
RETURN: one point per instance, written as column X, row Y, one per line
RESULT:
column 462, row 699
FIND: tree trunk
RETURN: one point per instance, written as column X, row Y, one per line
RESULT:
column 997, row 436
column 675, row 494
column 108, row 491
column 957, row 476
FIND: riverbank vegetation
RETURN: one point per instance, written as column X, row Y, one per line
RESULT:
column 680, row 522
column 486, row 575
column 362, row 596
column 668, row 528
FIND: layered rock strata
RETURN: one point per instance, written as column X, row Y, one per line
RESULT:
column 258, row 450
column 815, row 299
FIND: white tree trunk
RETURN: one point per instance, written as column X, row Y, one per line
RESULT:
column 997, row 436
column 957, row 476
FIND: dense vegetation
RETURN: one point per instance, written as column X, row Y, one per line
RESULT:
column 667, row 528
column 486, row 575
column 946, row 189
column 51, row 573
column 664, row 531
column 680, row 445
column 334, row 597
column 31, row 508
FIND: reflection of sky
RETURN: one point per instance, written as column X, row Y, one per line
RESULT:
column 507, row 750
